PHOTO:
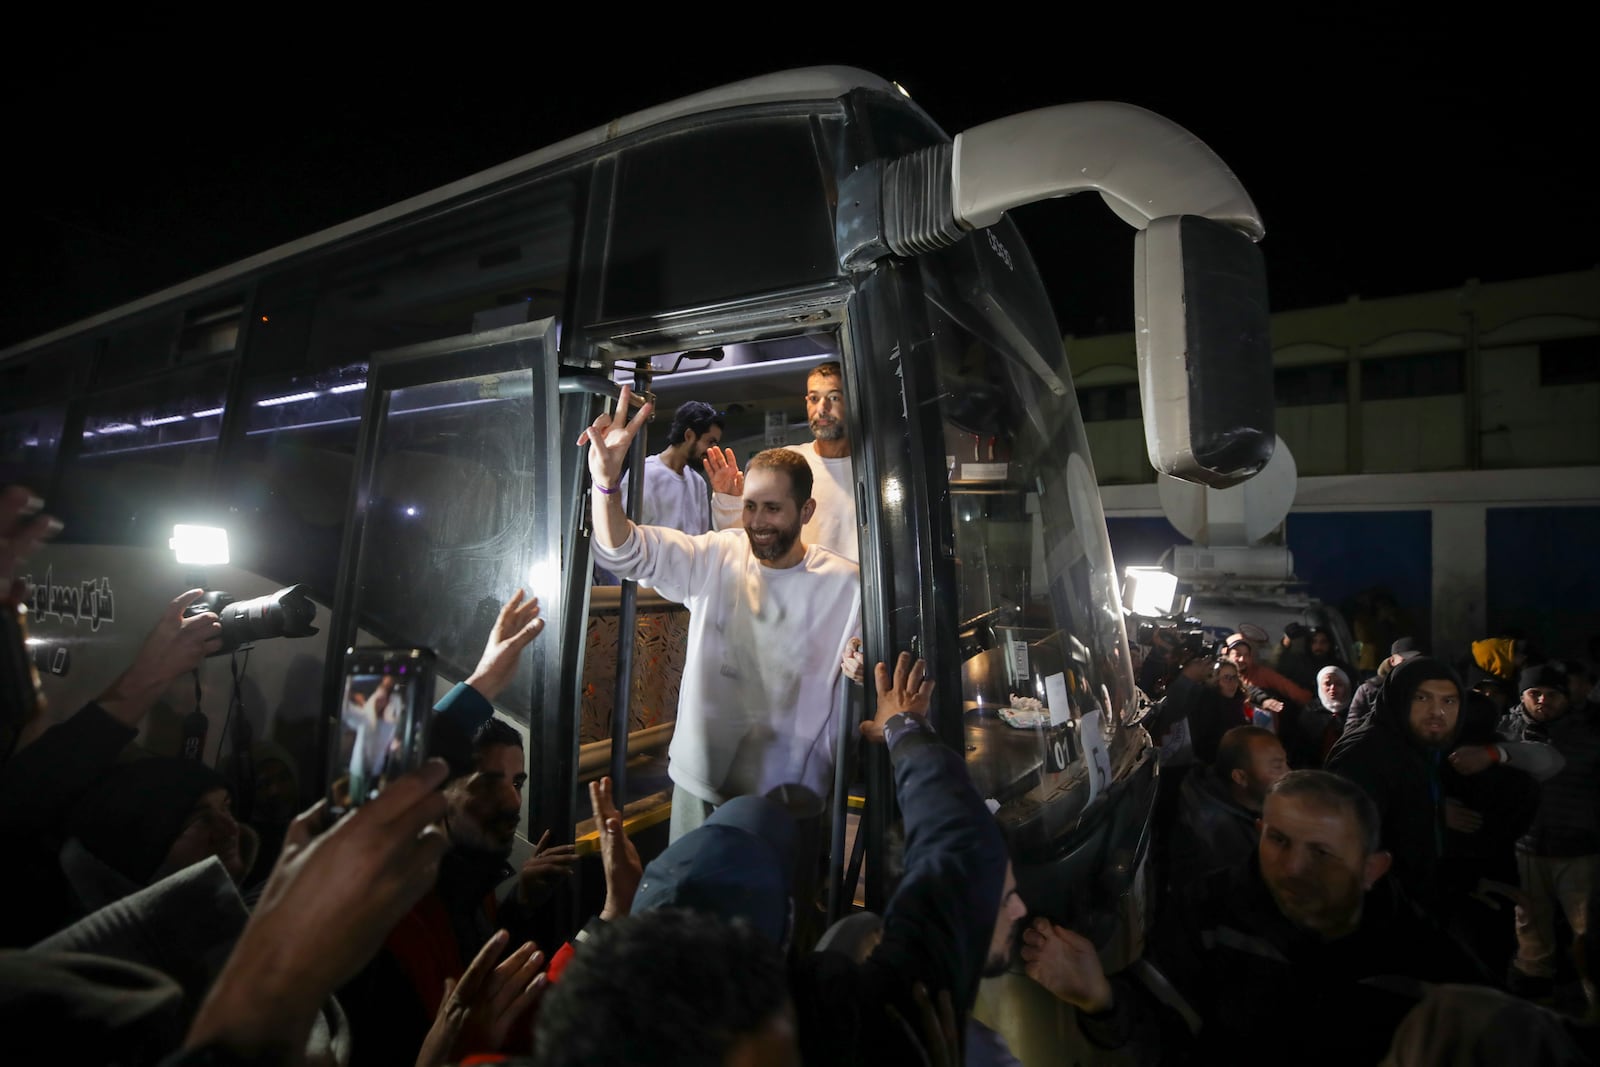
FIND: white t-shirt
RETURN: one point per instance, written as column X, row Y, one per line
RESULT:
column 833, row 487
column 681, row 501
column 761, row 681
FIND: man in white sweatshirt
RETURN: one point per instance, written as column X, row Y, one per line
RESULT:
column 771, row 618
column 675, row 494
column 832, row 469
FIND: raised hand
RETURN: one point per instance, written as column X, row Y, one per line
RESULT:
column 907, row 690
column 545, row 869
column 480, row 1008
column 617, row 854
column 327, row 907
column 1067, row 965
column 722, row 466
column 610, row 436
column 516, row 626
column 174, row 646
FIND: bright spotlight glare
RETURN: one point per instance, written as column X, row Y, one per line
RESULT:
column 1150, row 590
column 204, row 546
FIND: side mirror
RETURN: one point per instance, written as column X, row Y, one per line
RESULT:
column 1205, row 352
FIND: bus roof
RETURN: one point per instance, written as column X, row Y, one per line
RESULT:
column 808, row 83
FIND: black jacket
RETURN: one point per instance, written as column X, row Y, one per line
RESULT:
column 1262, row 990
column 1211, row 831
column 936, row 928
column 1568, row 819
column 38, row 787
column 1404, row 778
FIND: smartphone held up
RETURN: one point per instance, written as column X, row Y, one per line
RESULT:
column 385, row 709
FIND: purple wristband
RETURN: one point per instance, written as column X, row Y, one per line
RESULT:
column 604, row 490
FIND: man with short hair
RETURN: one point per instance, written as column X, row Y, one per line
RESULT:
column 1558, row 858
column 833, row 525
column 770, row 619
column 1218, row 807
column 1268, row 689
column 1304, row 953
column 675, row 493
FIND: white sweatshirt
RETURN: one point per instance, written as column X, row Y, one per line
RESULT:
column 761, row 679
column 680, row 501
column 833, row 487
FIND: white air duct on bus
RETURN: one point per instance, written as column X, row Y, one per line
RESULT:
column 1205, row 361
column 1144, row 167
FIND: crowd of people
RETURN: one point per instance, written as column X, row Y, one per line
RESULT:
column 1346, row 869
column 1338, row 840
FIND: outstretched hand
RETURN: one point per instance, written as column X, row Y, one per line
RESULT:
column 907, row 690
column 174, row 647
column 610, row 436
column 516, row 626
column 617, row 854
column 544, row 870
column 480, row 1009
column 722, row 466
column 1067, row 965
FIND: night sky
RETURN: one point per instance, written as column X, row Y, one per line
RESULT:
column 1387, row 156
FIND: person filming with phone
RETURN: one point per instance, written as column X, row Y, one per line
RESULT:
column 393, row 1000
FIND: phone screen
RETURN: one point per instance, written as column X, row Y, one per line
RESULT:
column 384, row 710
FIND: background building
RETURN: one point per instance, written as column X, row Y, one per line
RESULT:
column 1448, row 445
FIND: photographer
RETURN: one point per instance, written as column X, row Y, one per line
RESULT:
column 55, row 766
column 1198, row 699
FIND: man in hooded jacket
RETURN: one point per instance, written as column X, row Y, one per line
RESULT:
column 1397, row 754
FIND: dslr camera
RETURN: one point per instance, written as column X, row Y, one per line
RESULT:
column 286, row 613
column 1181, row 642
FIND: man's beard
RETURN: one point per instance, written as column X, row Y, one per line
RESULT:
column 778, row 547
column 466, row 833
column 1336, row 705
column 830, row 431
column 1000, row 962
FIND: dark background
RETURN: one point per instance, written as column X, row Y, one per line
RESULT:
column 1388, row 155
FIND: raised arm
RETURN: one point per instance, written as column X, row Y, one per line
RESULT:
column 939, row 923
column 609, row 437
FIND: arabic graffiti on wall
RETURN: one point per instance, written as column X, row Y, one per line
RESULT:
column 89, row 601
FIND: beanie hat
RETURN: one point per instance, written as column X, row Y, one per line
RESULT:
column 1542, row 676
column 131, row 817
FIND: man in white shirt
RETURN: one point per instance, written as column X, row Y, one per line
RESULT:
column 832, row 470
column 675, row 494
column 771, row 619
